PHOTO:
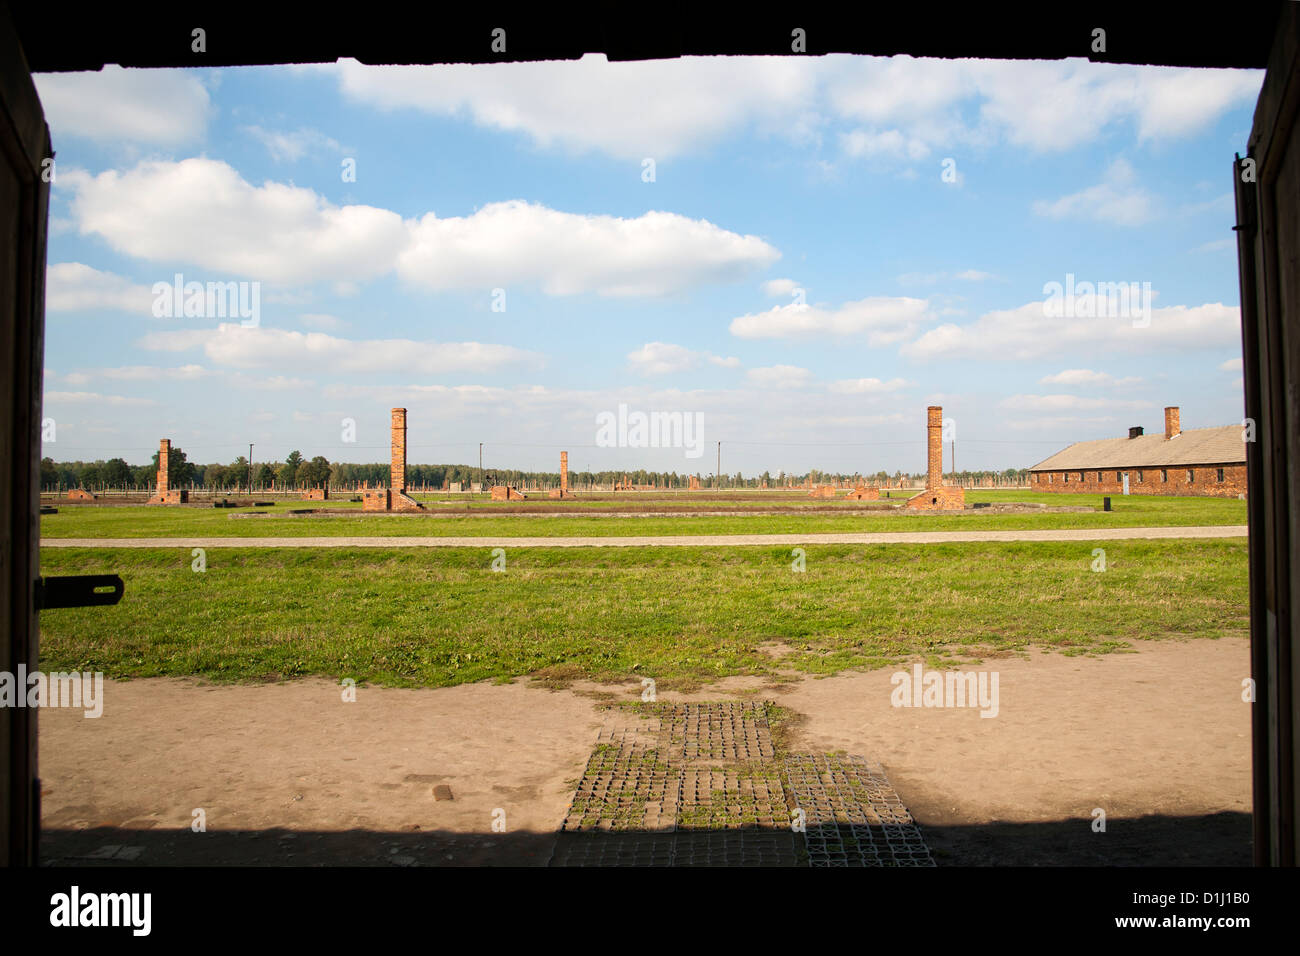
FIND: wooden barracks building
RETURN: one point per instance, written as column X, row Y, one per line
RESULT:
column 1202, row 461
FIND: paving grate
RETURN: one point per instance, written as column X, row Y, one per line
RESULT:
column 852, row 815
column 725, row 731
column 701, row 785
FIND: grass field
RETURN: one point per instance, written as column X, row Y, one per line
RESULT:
column 488, row 519
column 679, row 615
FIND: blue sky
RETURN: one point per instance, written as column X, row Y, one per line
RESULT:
column 826, row 246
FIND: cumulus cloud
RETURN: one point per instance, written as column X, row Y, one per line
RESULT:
column 883, row 320
column 139, row 373
column 201, row 212
column 866, row 386
column 95, row 398
column 664, row 358
column 1118, row 200
column 233, row 346
column 76, row 287
column 1085, row 376
column 567, row 254
column 631, row 110
column 777, row 288
column 897, row 107
column 116, row 105
column 1026, row 333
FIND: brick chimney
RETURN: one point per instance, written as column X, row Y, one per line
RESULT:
column 1171, row 422
column 934, row 436
column 397, row 468
column 164, row 461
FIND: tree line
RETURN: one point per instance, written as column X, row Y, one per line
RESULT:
column 297, row 472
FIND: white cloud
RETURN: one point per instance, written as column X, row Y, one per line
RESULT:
column 234, row 346
column 883, row 320
column 664, row 358
column 95, row 398
column 632, row 110
column 201, row 212
column 290, row 146
column 567, row 254
column 866, row 386
column 76, row 287
column 116, row 105
column 777, row 288
column 1026, row 333
column 974, row 275
column 891, row 143
column 779, row 376
column 899, row 106
column 139, row 373
column 1232, row 365
column 1084, row 376
column 1118, row 200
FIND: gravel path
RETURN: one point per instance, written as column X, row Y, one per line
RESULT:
column 661, row 541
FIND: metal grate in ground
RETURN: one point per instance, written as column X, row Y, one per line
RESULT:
column 852, row 816
column 726, row 730
column 701, row 785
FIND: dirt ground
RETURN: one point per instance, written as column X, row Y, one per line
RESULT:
column 292, row 774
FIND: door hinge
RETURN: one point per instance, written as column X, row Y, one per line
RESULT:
column 78, row 590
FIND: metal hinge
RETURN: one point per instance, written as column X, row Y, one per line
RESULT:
column 78, row 590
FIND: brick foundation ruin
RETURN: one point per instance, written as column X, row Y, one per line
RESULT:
column 81, row 494
column 164, row 495
column 822, row 491
column 937, row 496
column 394, row 497
column 317, row 494
column 863, row 493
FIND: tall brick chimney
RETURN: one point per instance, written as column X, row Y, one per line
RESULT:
column 1171, row 422
column 564, row 471
column 164, row 456
column 934, row 436
column 397, row 471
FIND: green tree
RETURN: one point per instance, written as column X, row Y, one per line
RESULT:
column 116, row 473
column 315, row 472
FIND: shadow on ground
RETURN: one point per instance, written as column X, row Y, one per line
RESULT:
column 1221, row 839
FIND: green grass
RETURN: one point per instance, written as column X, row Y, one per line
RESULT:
column 437, row 617
column 482, row 520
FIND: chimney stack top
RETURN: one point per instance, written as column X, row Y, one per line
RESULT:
column 1172, row 429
